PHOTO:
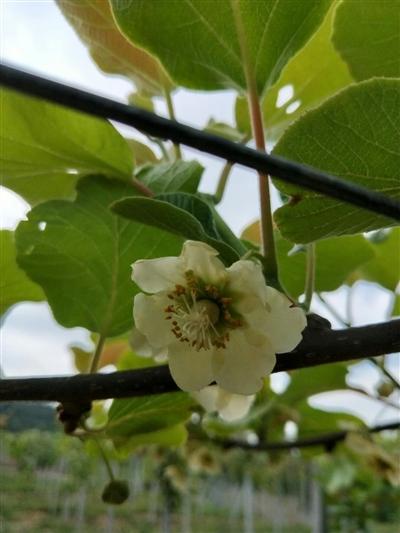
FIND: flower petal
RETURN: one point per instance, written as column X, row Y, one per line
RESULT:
column 240, row 367
column 202, row 259
column 284, row 324
column 233, row 406
column 142, row 347
column 155, row 275
column 229, row 406
column 150, row 319
column 190, row 369
column 207, row 397
column 247, row 285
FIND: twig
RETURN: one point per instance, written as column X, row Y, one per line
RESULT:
column 329, row 440
column 320, row 345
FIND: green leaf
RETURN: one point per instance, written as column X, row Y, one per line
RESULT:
column 384, row 268
column 46, row 148
column 198, row 41
column 81, row 253
column 142, row 153
column 336, row 259
column 223, row 130
column 313, row 421
column 172, row 436
column 15, row 286
column 178, row 176
column 356, row 136
column 112, row 52
column 179, row 213
column 146, row 416
column 367, row 35
column 396, row 306
column 142, row 100
column 314, row 74
column 310, row 381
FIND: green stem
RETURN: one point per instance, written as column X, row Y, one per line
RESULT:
column 171, row 113
column 376, row 398
column 161, row 146
column 385, row 371
column 333, row 311
column 105, row 460
column 142, row 188
column 310, row 276
column 349, row 301
column 223, row 180
column 96, row 357
column 267, row 231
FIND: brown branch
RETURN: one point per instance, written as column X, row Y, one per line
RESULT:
column 328, row 440
column 320, row 345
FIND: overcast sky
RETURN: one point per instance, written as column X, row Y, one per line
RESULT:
column 35, row 36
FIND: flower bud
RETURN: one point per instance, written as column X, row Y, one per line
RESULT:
column 115, row 492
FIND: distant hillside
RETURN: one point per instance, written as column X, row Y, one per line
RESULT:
column 18, row 416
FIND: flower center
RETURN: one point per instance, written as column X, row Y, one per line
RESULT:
column 200, row 315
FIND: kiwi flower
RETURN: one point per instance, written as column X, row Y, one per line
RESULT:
column 215, row 324
column 229, row 406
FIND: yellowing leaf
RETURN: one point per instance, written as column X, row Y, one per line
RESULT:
column 94, row 23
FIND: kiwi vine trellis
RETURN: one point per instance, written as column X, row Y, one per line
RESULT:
column 320, row 345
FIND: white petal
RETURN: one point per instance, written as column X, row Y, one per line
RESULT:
column 139, row 343
column 284, row 323
column 202, row 259
column 190, row 369
column 235, row 406
column 247, row 285
column 240, row 367
column 155, row 275
column 142, row 347
column 150, row 319
column 207, row 397
column 229, row 406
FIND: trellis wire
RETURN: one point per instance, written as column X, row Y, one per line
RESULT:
column 151, row 124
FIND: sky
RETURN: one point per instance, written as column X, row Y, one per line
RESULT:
column 35, row 37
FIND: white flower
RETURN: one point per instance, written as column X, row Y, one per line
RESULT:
column 229, row 406
column 215, row 323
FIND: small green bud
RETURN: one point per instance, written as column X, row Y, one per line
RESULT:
column 115, row 492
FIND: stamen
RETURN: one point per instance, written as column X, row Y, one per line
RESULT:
column 200, row 314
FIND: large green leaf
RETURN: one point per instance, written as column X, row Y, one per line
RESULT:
column 112, row 52
column 356, row 136
column 313, row 421
column 81, row 254
column 336, row 259
column 179, row 213
column 15, row 286
column 142, row 418
column 178, row 176
column 198, row 40
column 309, row 381
column 314, row 74
column 45, row 148
column 384, row 268
column 170, row 436
column 367, row 35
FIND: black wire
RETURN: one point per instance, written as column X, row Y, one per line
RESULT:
column 156, row 126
